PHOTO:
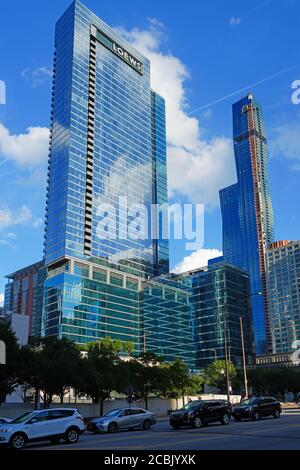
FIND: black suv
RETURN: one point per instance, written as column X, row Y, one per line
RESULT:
column 200, row 413
column 256, row 408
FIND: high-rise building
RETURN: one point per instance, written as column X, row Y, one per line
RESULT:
column 284, row 295
column 220, row 308
column 108, row 141
column 21, row 295
column 247, row 212
column 107, row 161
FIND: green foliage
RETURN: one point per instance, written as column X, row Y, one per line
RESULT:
column 215, row 374
column 9, row 372
column 275, row 380
column 51, row 365
column 99, row 370
column 179, row 382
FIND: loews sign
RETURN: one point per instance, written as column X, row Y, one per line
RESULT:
column 120, row 51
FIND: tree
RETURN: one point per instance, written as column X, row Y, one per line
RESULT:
column 9, row 378
column 181, row 382
column 141, row 376
column 99, row 371
column 147, row 378
column 215, row 374
column 51, row 366
column 274, row 380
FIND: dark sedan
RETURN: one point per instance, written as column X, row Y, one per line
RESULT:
column 256, row 408
column 200, row 413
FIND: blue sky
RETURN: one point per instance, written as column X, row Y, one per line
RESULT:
column 202, row 52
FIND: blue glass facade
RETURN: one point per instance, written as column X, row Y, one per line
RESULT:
column 85, row 302
column 247, row 211
column 167, row 318
column 219, row 298
column 108, row 145
column 160, row 183
column 284, row 295
column 107, row 141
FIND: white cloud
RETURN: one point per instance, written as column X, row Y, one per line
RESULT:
column 234, row 21
column 285, row 143
column 1, row 300
column 29, row 149
column 198, row 168
column 22, row 216
column 198, row 259
column 37, row 76
column 11, row 236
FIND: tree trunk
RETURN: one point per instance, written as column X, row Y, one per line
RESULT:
column 37, row 399
column 62, row 398
column 146, row 401
column 101, row 407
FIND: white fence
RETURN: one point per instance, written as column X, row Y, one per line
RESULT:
column 159, row 406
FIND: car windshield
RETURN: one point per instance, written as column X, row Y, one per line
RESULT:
column 22, row 418
column 113, row 413
column 249, row 401
column 192, row 404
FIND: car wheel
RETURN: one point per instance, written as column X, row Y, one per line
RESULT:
column 72, row 435
column 18, row 441
column 225, row 419
column 146, row 425
column 256, row 416
column 175, row 426
column 113, row 427
column 54, row 440
column 197, row 422
column 276, row 414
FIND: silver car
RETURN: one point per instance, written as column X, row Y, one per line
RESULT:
column 121, row 419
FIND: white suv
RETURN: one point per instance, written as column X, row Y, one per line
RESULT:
column 52, row 424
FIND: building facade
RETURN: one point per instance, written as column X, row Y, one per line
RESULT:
column 284, row 295
column 107, row 148
column 220, row 307
column 167, row 318
column 21, row 295
column 247, row 212
column 107, row 155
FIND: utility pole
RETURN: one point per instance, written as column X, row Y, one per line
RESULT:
column 226, row 364
column 244, row 358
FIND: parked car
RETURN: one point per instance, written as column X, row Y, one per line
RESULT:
column 122, row 418
column 4, row 420
column 256, row 408
column 52, row 425
column 199, row 413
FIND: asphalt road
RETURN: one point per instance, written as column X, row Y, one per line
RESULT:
column 267, row 434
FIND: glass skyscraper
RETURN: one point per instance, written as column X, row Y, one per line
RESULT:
column 107, row 160
column 284, row 295
column 247, row 212
column 108, row 141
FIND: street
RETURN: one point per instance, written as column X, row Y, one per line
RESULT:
column 267, row 434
